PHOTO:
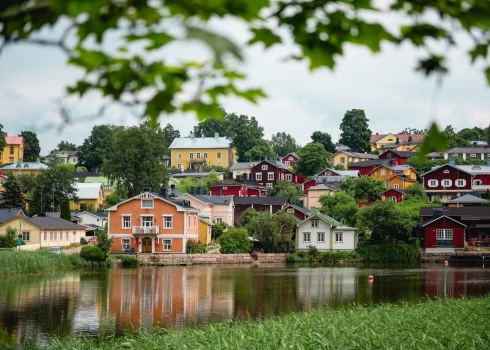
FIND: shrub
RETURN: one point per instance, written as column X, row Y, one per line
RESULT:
column 390, row 253
column 126, row 260
column 195, row 247
column 83, row 241
column 9, row 240
column 235, row 241
column 93, row 254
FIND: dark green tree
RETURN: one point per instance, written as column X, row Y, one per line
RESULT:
column 413, row 131
column 487, row 135
column 234, row 241
column 260, row 151
column 65, row 212
column 170, row 135
column 313, row 158
column 104, row 242
column 325, row 139
column 355, row 132
column 3, row 141
column 364, row 188
column 286, row 188
column 9, row 240
column 133, row 168
column 98, row 147
column 66, row 146
column 248, row 216
column 472, row 134
column 415, row 192
column 12, row 194
column 27, row 182
column 283, row 144
column 339, row 167
column 32, row 149
column 341, row 206
column 93, row 254
column 453, row 138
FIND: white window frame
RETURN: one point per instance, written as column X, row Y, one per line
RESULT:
column 218, row 155
column 287, row 163
column 339, row 237
column 460, row 182
column 167, row 244
column 205, row 155
column 306, row 237
column 383, row 172
column 448, row 181
column 269, row 185
column 432, row 183
column 122, row 221
column 473, row 155
column 454, row 155
column 289, row 177
column 165, row 222
column 198, row 155
column 219, row 220
column 265, row 167
column 444, row 234
column 179, row 166
column 320, row 237
column 258, row 177
column 143, row 217
column 270, row 176
column 179, row 155
column 477, row 182
column 191, row 155
column 342, row 160
column 396, row 186
column 446, row 171
column 125, row 243
column 26, row 236
column 148, row 200
column 315, row 223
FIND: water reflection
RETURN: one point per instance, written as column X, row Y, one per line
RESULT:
column 117, row 300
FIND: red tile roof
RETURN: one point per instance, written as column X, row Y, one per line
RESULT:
column 13, row 140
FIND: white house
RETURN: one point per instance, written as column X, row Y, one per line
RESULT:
column 325, row 233
column 91, row 218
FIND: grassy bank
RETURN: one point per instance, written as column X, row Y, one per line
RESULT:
column 441, row 324
column 31, row 262
column 399, row 252
column 315, row 255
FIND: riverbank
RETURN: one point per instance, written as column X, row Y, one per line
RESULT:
column 440, row 324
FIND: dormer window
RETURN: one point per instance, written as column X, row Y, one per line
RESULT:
column 18, row 166
column 264, row 167
column 26, row 165
column 446, row 171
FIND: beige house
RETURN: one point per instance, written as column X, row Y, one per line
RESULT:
column 347, row 157
column 219, row 208
column 396, row 142
column 40, row 232
column 312, row 197
column 242, row 170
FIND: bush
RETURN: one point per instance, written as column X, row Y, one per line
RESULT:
column 93, row 254
column 83, row 241
column 126, row 260
column 400, row 252
column 195, row 247
column 9, row 240
column 235, row 241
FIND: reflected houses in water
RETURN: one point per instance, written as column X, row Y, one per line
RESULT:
column 456, row 282
column 167, row 297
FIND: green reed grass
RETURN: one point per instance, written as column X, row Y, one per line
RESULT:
column 399, row 252
column 440, row 324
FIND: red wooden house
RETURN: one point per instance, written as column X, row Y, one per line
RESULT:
column 392, row 194
column 400, row 157
column 446, row 182
column 444, row 235
column 239, row 188
column 268, row 204
column 365, row 167
column 268, row 172
column 481, row 176
column 290, row 159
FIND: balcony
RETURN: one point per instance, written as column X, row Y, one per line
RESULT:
column 145, row 230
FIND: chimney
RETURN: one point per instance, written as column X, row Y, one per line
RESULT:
column 172, row 186
column 410, row 138
column 216, row 135
column 475, row 144
column 163, row 192
column 199, row 190
column 146, row 189
column 193, row 190
column 191, row 135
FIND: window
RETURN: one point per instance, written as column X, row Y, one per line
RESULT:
column 446, row 183
column 258, row 177
column 147, row 221
column 396, row 186
column 179, row 155
column 11, row 150
column 126, row 221
column 472, row 155
column 51, row 236
column 460, row 182
column 219, row 220
column 289, row 177
column 191, row 155
column 25, row 236
column 287, row 163
column 45, row 236
column 269, row 185
column 218, row 155
column 432, row 183
column 11, row 159
column 342, row 160
column 338, row 237
column 454, row 155
column 198, row 155
column 264, row 167
column 167, row 222
column 147, row 203
column 306, row 237
column 190, row 221
column 270, row 176
column 179, row 166
column 446, row 171
column 314, row 223
column 387, row 184
column 205, row 155
column 444, row 234
column 321, row 237
column 388, row 155
column 383, row 172
column 393, row 198
column 477, row 182
column 125, row 243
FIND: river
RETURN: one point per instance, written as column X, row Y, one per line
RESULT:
column 113, row 301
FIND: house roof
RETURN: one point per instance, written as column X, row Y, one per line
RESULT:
column 25, row 166
column 242, row 166
column 100, row 214
column 402, row 177
column 86, row 174
column 292, row 154
column 218, row 200
column 439, row 218
column 177, row 202
column 401, row 154
column 434, row 155
column 200, row 142
column 9, row 213
column 275, row 163
column 62, row 153
column 94, row 179
column 473, row 213
column 350, row 173
column 193, row 174
column 475, row 169
column 468, row 199
column 358, row 154
column 442, row 166
column 402, row 137
column 233, row 182
column 276, row 200
column 88, row 190
column 321, row 187
column 13, row 140
column 476, row 150
column 53, row 223
column 369, row 163
column 331, row 221
column 303, row 210
column 392, row 189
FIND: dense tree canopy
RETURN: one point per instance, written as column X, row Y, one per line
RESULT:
column 286, row 188
column 66, row 146
column 341, row 206
column 260, row 151
column 364, row 188
column 415, row 192
column 283, row 144
column 170, row 135
column 32, row 149
column 325, row 139
column 313, row 158
column 12, row 194
column 3, row 141
column 355, row 132
column 98, row 147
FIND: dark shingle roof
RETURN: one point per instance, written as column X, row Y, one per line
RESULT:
column 53, row 223
column 403, row 154
column 475, row 150
column 475, row 213
column 7, row 214
column 277, row 200
column 100, row 214
column 233, row 182
column 303, row 210
column 220, row 200
column 369, row 163
column 469, row 199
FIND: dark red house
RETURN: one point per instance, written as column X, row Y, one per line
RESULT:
column 299, row 212
column 269, row 204
column 290, row 159
column 365, row 167
column 392, row 194
column 239, row 188
column 481, row 176
column 268, row 172
column 400, row 157
column 446, row 182
column 444, row 235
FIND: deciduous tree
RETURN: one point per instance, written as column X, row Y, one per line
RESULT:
column 355, row 132
column 98, row 147
column 283, row 143
column 313, row 158
column 65, row 212
column 286, row 188
column 32, row 149
column 234, row 241
column 66, row 146
column 341, row 206
column 260, row 151
column 3, row 141
column 170, row 135
column 364, row 188
column 415, row 192
column 325, row 139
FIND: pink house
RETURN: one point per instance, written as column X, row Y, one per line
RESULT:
column 218, row 208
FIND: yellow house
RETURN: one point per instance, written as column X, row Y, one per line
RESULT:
column 347, row 157
column 399, row 183
column 196, row 152
column 205, row 227
column 385, row 172
column 242, row 170
column 14, row 151
column 39, row 232
column 90, row 197
column 396, row 142
column 312, row 198
column 23, row 168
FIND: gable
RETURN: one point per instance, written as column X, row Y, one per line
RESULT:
column 387, row 138
column 439, row 171
column 445, row 218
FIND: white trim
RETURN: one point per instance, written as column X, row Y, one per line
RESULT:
column 148, row 199
column 463, row 183
column 429, row 183
column 171, row 223
column 448, row 180
column 440, row 217
column 258, row 177
column 269, row 176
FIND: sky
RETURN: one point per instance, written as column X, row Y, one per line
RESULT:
column 385, row 85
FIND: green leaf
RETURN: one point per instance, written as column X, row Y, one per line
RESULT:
column 487, row 73
column 433, row 64
column 480, row 50
column 251, row 95
column 265, row 36
column 419, row 32
column 434, row 141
